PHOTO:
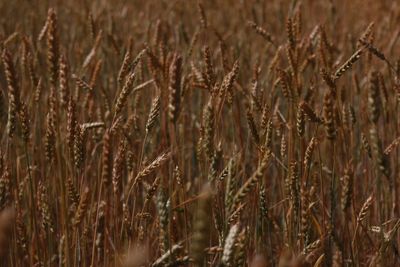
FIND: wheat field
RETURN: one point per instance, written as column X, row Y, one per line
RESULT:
column 199, row 133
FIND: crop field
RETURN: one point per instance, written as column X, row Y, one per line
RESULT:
column 200, row 133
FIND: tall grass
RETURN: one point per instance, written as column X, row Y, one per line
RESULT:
column 210, row 133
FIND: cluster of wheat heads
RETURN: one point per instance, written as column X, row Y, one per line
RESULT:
column 186, row 133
